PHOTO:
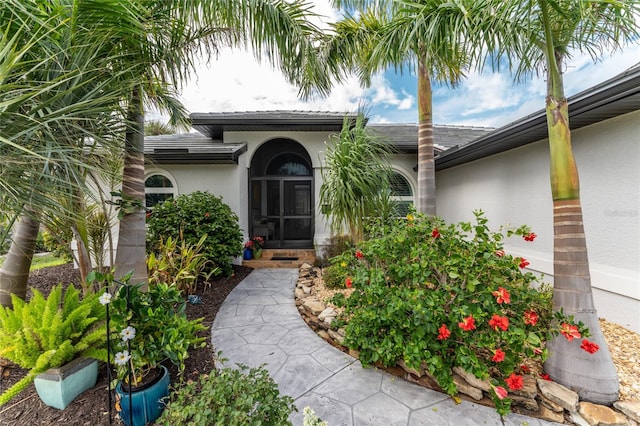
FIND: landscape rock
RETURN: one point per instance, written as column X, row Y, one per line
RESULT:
column 466, row 388
column 299, row 294
column 323, row 334
column 306, row 289
column 405, row 367
column 473, row 380
column 328, row 312
column 313, row 305
column 336, row 336
column 527, row 403
column 529, row 388
column 630, row 408
column 550, row 404
column 599, row 415
column 559, row 394
column 552, row 416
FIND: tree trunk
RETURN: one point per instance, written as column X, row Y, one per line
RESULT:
column 592, row 376
column 14, row 273
column 131, row 254
column 426, row 162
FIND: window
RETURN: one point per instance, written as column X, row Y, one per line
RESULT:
column 401, row 194
column 157, row 188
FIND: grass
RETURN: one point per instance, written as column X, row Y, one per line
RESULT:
column 42, row 261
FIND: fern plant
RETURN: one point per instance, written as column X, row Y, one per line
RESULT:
column 48, row 332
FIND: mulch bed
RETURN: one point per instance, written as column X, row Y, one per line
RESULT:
column 92, row 407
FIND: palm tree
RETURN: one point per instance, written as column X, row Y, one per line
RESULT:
column 355, row 176
column 433, row 38
column 542, row 34
column 56, row 94
column 177, row 31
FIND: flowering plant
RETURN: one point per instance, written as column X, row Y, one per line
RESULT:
column 441, row 296
column 146, row 327
column 258, row 242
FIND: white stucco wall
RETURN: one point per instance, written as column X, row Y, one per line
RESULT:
column 513, row 188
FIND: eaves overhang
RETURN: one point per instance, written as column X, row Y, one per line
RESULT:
column 214, row 124
column 617, row 96
column 191, row 149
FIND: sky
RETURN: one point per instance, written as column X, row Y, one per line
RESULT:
column 235, row 81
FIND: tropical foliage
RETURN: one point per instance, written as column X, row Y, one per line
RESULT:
column 47, row 333
column 230, row 396
column 542, row 35
column 440, row 296
column 190, row 217
column 355, row 178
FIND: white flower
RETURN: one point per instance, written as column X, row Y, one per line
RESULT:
column 128, row 333
column 105, row 299
column 122, row 357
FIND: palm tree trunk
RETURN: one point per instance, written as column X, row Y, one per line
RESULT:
column 14, row 273
column 426, row 162
column 131, row 255
column 592, row 376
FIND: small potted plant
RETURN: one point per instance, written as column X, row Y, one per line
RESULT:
column 147, row 328
column 58, row 339
column 248, row 250
column 258, row 243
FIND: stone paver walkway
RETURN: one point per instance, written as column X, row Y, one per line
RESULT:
column 260, row 324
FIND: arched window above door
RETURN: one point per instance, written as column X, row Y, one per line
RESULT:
column 288, row 165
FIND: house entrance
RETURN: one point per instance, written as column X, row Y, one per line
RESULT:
column 281, row 195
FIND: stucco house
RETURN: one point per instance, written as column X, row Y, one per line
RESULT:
column 267, row 167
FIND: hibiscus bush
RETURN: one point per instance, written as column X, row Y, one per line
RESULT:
column 439, row 296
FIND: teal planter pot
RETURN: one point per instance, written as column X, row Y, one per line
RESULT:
column 57, row 387
column 146, row 403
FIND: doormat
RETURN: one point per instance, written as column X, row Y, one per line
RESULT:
column 284, row 258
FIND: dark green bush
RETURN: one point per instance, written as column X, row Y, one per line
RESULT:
column 190, row 216
column 230, row 397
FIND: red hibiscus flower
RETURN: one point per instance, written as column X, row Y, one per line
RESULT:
column 359, row 254
column 501, row 392
column 348, row 282
column 588, row 346
column 498, row 356
column 443, row 332
column 502, row 296
column 514, row 381
column 497, row 322
column 499, row 253
column 569, row 331
column 530, row 318
column 468, row 324
column 545, row 376
column 148, row 215
column 435, row 233
column 523, row 262
column 529, row 237
column 206, row 214
column 525, row 369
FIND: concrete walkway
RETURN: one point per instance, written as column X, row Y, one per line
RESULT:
column 259, row 323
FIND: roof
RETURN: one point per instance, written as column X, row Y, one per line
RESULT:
column 405, row 136
column 191, row 148
column 616, row 96
column 213, row 124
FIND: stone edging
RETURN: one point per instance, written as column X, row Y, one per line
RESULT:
column 538, row 398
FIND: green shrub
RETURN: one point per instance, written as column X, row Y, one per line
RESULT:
column 439, row 296
column 334, row 276
column 192, row 216
column 47, row 333
column 230, row 397
column 180, row 266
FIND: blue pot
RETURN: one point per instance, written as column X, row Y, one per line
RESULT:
column 146, row 403
column 248, row 254
column 57, row 387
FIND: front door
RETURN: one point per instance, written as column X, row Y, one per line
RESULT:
column 289, row 207
column 281, row 196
